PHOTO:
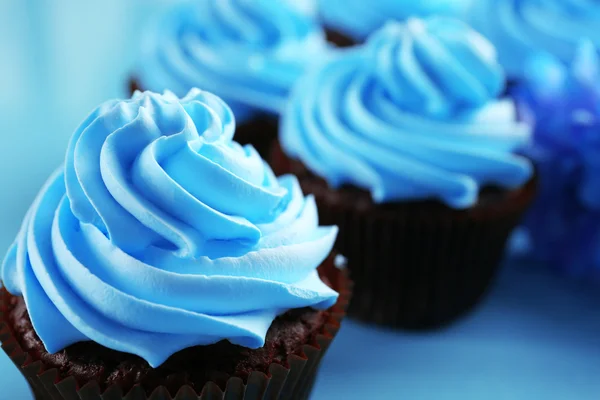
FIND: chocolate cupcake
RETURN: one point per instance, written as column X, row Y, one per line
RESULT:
column 349, row 22
column 408, row 149
column 165, row 260
column 563, row 101
column 520, row 29
column 247, row 52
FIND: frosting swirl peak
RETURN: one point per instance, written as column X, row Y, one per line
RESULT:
column 436, row 67
column 411, row 115
column 161, row 233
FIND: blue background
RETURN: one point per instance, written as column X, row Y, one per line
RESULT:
column 535, row 337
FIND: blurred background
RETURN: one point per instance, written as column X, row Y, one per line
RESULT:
column 59, row 59
column 535, row 337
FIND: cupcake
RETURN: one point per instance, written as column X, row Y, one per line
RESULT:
column 164, row 259
column 408, row 149
column 247, row 52
column 521, row 28
column 348, row 22
column 563, row 226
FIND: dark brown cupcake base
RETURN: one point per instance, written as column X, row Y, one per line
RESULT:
column 338, row 38
column 415, row 265
column 134, row 85
column 284, row 368
column 260, row 132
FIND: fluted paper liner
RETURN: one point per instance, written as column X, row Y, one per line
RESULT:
column 414, row 266
column 282, row 383
column 260, row 132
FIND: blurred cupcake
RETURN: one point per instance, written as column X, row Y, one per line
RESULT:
column 247, row 52
column 408, row 149
column 348, row 22
column 163, row 259
column 563, row 226
column 521, row 28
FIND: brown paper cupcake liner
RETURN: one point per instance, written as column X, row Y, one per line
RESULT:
column 294, row 382
column 260, row 132
column 414, row 265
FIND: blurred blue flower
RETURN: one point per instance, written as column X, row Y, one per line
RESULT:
column 563, row 103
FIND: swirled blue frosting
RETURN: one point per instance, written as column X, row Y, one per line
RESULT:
column 564, row 100
column 161, row 233
column 521, row 28
column 247, row 52
column 413, row 114
column 359, row 18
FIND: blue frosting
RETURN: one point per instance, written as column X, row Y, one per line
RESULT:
column 521, row 28
column 308, row 7
column 564, row 99
column 162, row 233
column 413, row 114
column 247, row 52
column 359, row 18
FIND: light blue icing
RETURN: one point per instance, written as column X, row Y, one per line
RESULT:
column 521, row 28
column 413, row 114
column 359, row 18
column 247, row 52
column 308, row 7
column 161, row 233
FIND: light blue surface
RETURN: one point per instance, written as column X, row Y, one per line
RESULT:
column 535, row 337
